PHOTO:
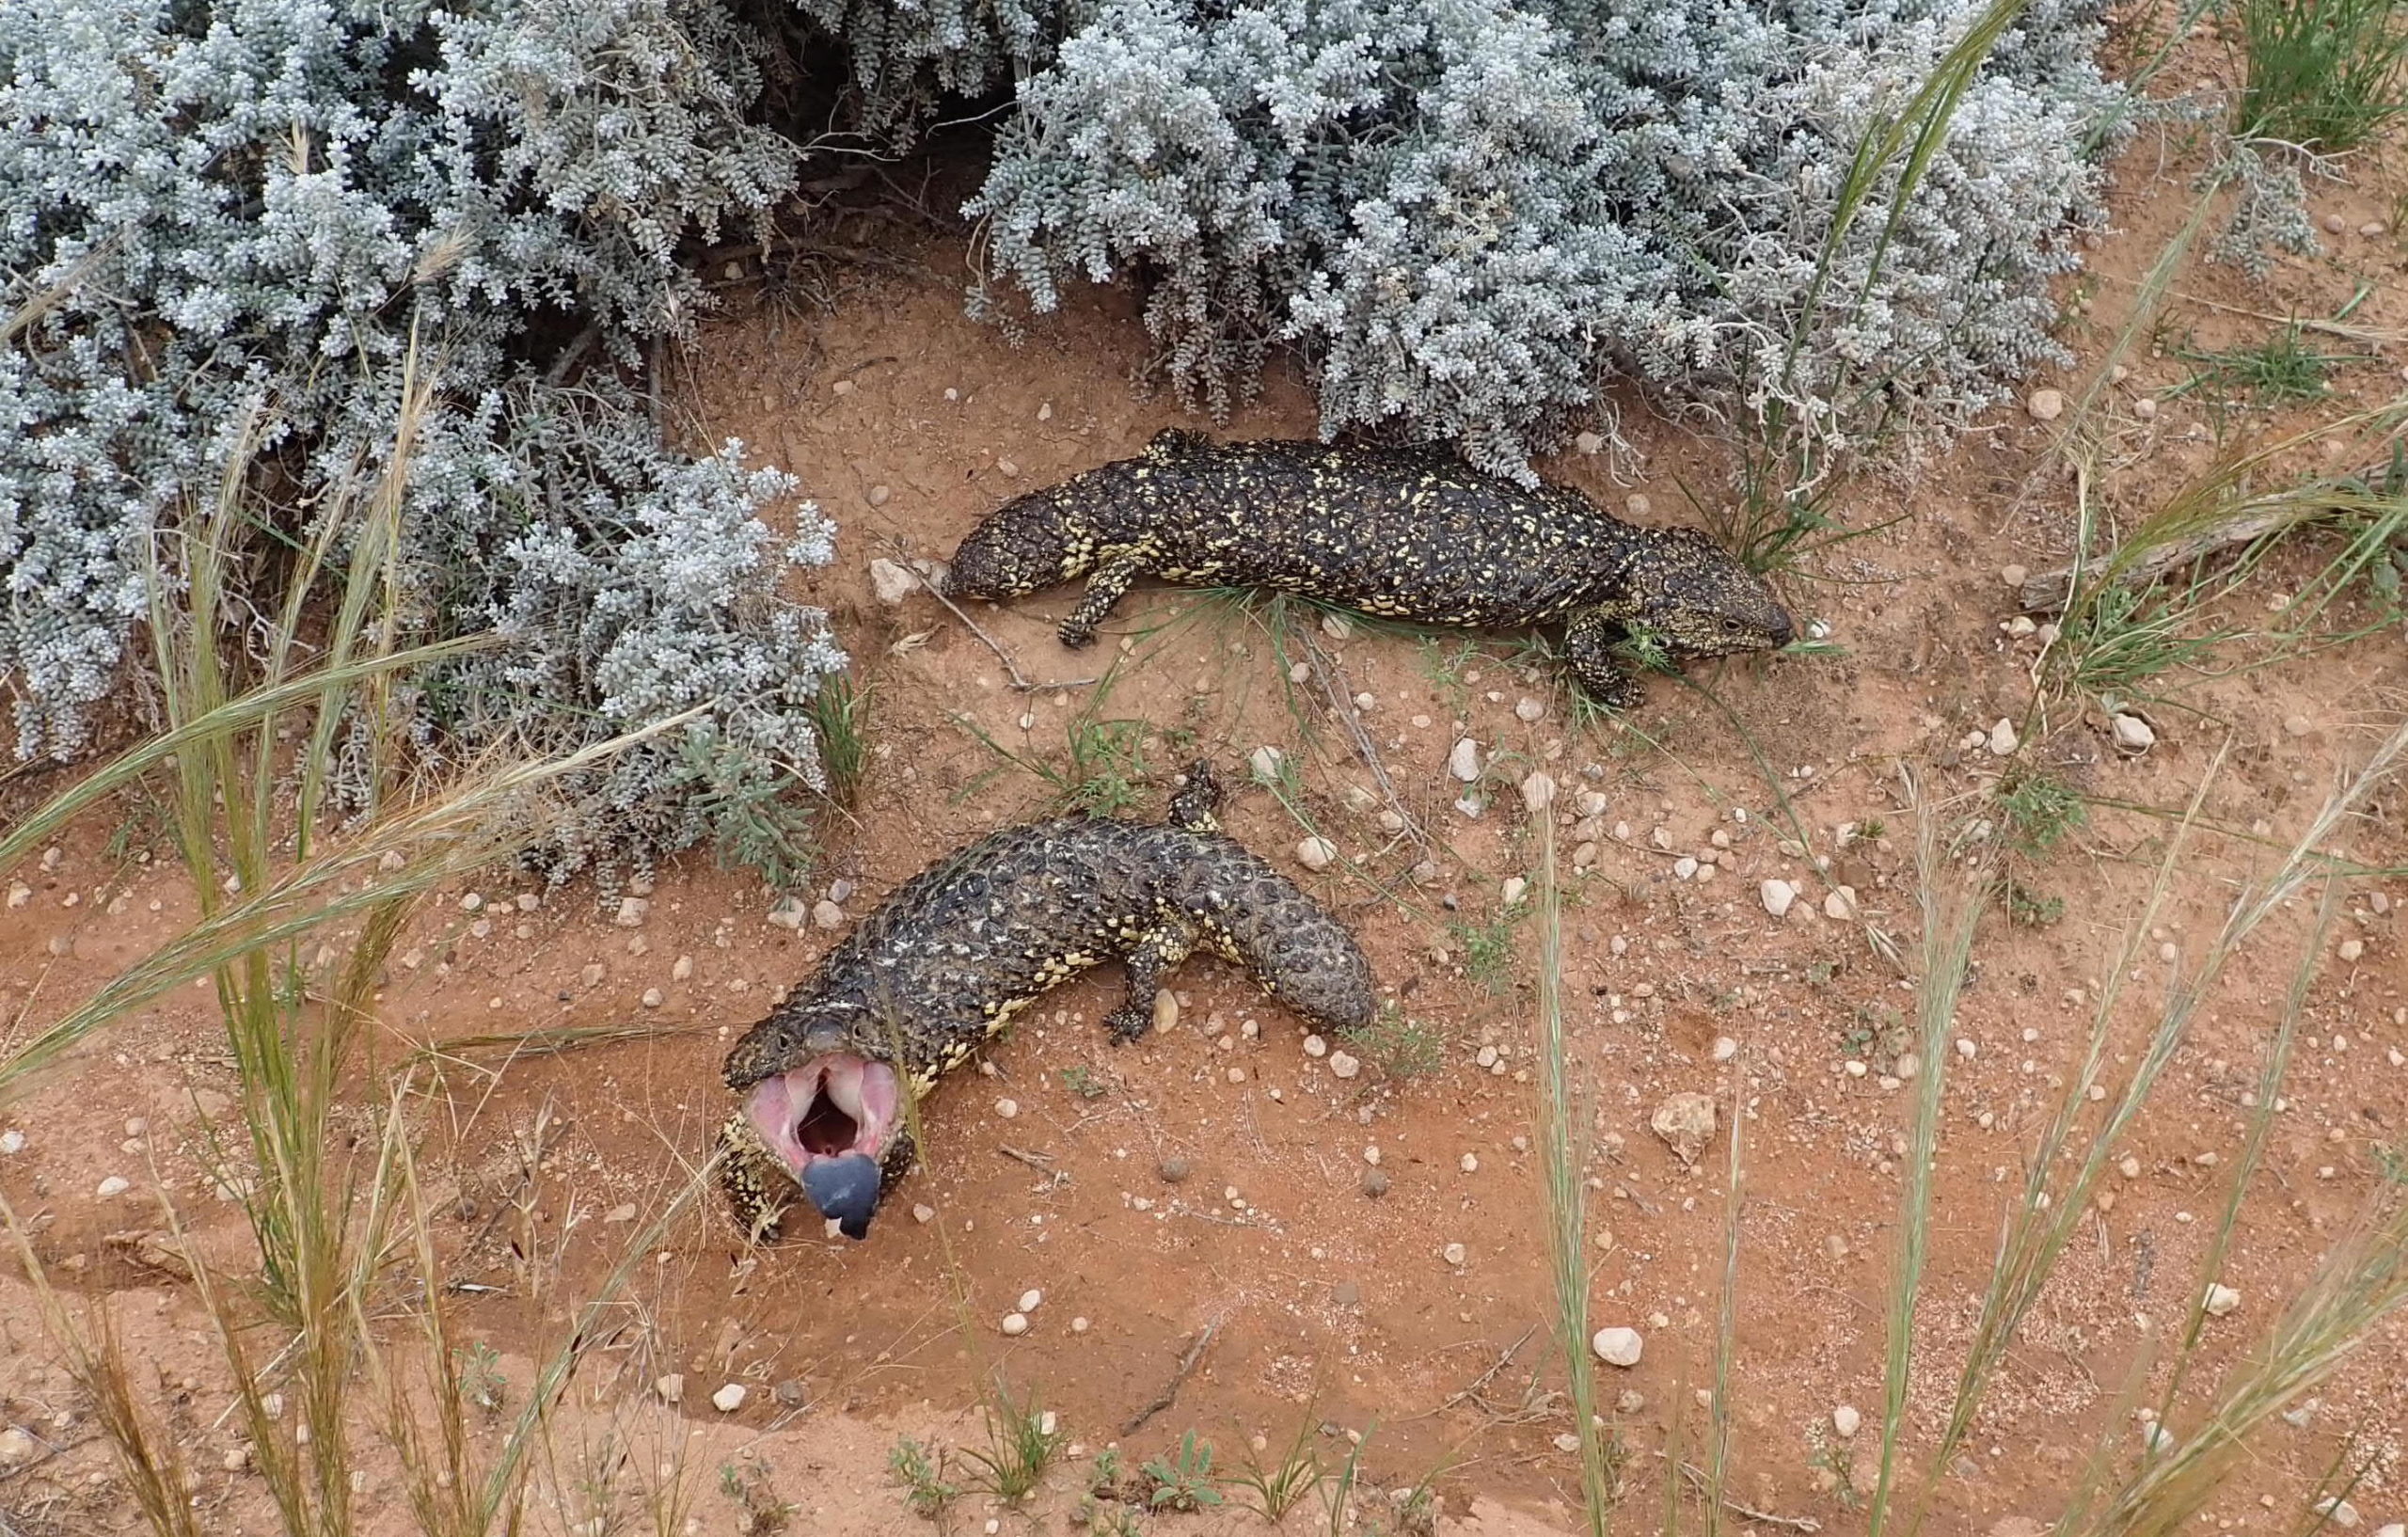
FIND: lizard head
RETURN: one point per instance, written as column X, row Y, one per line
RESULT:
column 1702, row 601
column 826, row 1108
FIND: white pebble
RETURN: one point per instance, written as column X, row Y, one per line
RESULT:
column 1463, row 761
column 1015, row 1324
column 1471, row 1162
column 1453, row 1254
column 1538, row 793
column 12, row 1141
column 1512, row 890
column 2132, row 734
column 2003, row 739
column 1343, row 1065
column 2046, row 404
column 1725, row 1048
column 1778, row 895
column 2220, row 1299
column 1029, row 1299
column 1316, row 853
column 1845, row 1422
column 729, row 1399
column 632, row 911
column 1618, row 1346
column 115, row 1184
column 1265, row 762
column 1315, row 1046
column 671, row 1387
column 1529, row 709
column 1006, row 1108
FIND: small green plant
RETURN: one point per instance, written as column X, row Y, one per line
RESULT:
column 1277, row 1488
column 1020, row 1438
column 757, row 822
column 1487, row 950
column 920, row 1469
column 2119, row 638
column 1838, row 1474
column 2280, row 370
column 2039, row 812
column 481, row 1380
column 2027, row 907
column 2321, row 74
column 840, row 712
column 1081, row 1079
column 1183, row 1481
column 759, row 1512
column 1398, row 1044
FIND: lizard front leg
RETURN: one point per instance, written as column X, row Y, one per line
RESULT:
column 1112, row 579
column 1156, row 956
column 1588, row 645
column 757, row 1186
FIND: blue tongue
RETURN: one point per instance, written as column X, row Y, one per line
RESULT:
column 845, row 1190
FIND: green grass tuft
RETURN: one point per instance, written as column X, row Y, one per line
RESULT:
column 2324, row 74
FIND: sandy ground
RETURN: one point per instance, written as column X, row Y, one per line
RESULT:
column 1416, row 1319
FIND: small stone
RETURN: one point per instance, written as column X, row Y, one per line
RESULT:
column 1530, row 710
column 13, row 1142
column 924, row 1214
column 729, row 1399
column 651, row 998
column 1618, row 1346
column 632, row 911
column 827, row 914
column 1174, row 1171
column 2374, row 229
column 1684, row 868
column 17, row 1447
column 236, row 1460
column 1454, row 1254
column 671, row 1387
column 1778, row 895
column 891, row 579
column 1337, row 626
column 1471, row 1162
column 1265, row 762
column 2046, row 404
column 2334, row 224
column 592, row 974
column 2133, row 735
column 624, row 1212
column 1166, row 1010
column 1538, row 793
column 1567, row 1442
column 2129, row 1166
column 1512, row 890
column 472, row 902
column 1343, row 1065
column 877, row 495
column 2145, row 408
column 1015, row 1324
column 2220, row 1299
column 115, row 1184
column 1006, row 1108
column 1725, row 1048
column 2003, row 739
column 1589, row 443
column 1846, row 1421
column 1463, row 760
column 2337, row 1511
column 1316, row 853
column 683, row 969
column 1840, row 904
column 1375, row 1182
column 2298, row 725
column 1030, row 1299
column 2350, row 949
column 1006, row 469
column 788, row 914
column 1316, row 1046
column 1686, row 1122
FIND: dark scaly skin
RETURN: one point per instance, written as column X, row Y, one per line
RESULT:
column 1405, row 534
column 947, row 960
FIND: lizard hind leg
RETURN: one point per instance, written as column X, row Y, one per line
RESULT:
column 1156, row 956
column 1195, row 805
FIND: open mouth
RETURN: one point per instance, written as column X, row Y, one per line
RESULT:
column 830, row 1107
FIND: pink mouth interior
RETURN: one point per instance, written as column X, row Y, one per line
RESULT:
column 830, row 1107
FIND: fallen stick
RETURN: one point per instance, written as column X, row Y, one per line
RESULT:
column 1177, row 1379
column 2050, row 591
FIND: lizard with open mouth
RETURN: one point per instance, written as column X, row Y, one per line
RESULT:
column 948, row 960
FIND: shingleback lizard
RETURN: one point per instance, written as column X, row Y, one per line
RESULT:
column 1405, row 534
column 947, row 960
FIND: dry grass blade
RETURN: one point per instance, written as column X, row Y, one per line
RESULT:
column 1567, row 1226
column 1952, row 896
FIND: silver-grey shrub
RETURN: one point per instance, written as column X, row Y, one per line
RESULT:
column 1464, row 214
column 212, row 208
